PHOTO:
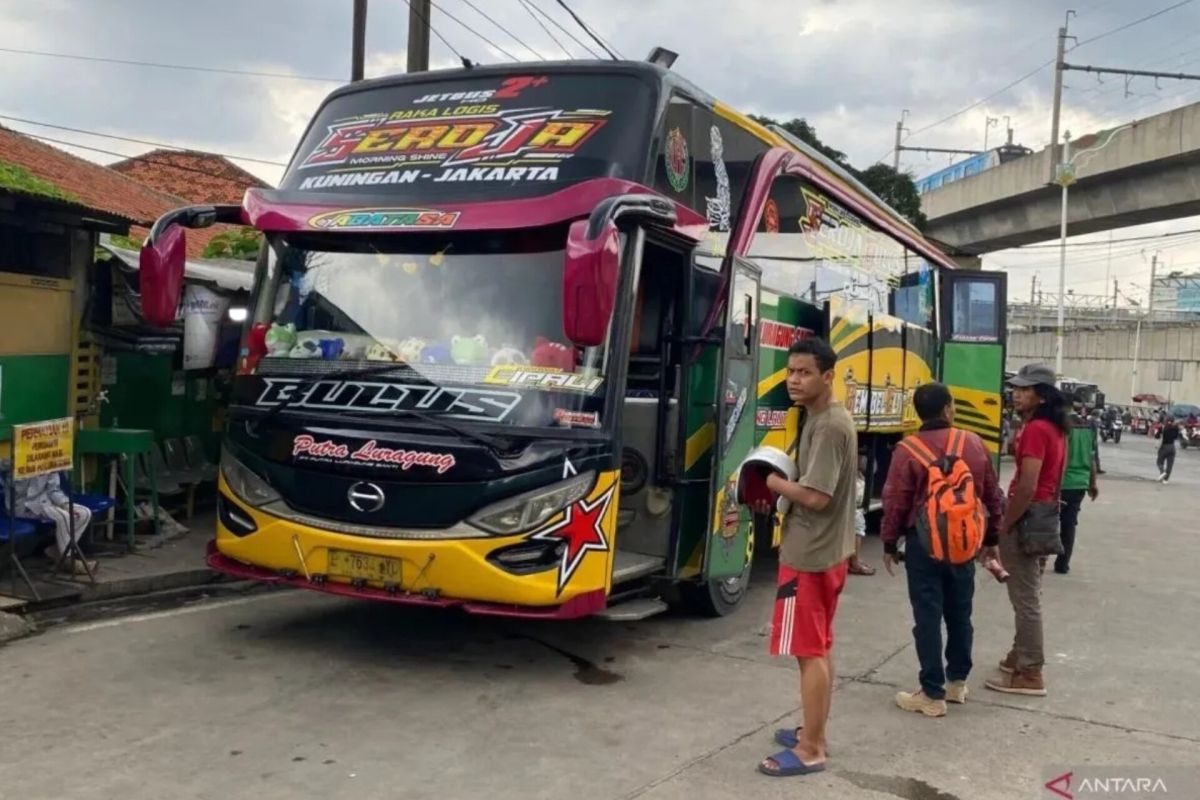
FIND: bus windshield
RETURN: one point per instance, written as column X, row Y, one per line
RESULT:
column 453, row 312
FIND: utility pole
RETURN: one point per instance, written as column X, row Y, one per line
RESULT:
column 1008, row 129
column 358, row 46
column 418, row 35
column 1116, row 293
column 1064, row 178
column 1058, row 87
column 989, row 123
column 899, row 134
column 1153, row 274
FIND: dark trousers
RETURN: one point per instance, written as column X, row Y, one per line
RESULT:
column 1166, row 459
column 1068, row 520
column 940, row 592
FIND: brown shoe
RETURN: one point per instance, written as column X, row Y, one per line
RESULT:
column 921, row 703
column 1008, row 664
column 1026, row 682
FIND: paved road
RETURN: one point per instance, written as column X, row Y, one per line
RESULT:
column 290, row 694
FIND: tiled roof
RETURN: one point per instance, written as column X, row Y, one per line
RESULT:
column 91, row 185
column 198, row 177
column 104, row 189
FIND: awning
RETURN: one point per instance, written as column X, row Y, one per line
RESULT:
column 222, row 273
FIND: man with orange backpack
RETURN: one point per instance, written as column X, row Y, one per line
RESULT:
column 943, row 494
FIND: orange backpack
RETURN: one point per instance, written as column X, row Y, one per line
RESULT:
column 953, row 521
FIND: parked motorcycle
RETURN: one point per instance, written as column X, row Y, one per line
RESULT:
column 1189, row 437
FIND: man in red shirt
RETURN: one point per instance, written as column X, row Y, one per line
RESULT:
column 937, row 590
column 1040, row 453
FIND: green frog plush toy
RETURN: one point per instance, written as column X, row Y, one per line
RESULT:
column 469, row 349
column 280, row 340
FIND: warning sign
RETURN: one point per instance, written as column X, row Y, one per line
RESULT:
column 42, row 447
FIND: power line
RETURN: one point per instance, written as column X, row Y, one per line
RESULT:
column 1106, row 242
column 140, row 141
column 466, row 61
column 1038, row 69
column 124, row 156
column 1129, row 25
column 589, row 32
column 519, row 41
column 538, row 20
column 982, row 100
column 472, row 30
column 160, row 65
column 556, row 24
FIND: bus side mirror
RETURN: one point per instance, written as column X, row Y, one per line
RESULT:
column 590, row 273
column 160, row 275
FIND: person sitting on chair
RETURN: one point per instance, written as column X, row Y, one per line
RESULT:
column 42, row 497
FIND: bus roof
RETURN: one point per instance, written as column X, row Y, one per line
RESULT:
column 833, row 176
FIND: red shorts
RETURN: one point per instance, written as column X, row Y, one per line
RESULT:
column 802, row 625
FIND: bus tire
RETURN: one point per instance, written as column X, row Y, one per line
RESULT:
column 716, row 598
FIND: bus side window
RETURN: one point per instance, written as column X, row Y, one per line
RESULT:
column 975, row 311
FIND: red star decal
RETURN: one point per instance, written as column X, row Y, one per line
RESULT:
column 582, row 530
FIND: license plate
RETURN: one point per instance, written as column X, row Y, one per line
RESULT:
column 380, row 569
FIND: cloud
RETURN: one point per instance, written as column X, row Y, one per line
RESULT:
column 848, row 66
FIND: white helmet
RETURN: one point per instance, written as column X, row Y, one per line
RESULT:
column 752, row 476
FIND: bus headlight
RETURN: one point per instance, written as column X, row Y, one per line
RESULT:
column 249, row 487
column 526, row 512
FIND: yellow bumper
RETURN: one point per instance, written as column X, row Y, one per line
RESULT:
column 454, row 569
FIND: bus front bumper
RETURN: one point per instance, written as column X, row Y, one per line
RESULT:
column 581, row 605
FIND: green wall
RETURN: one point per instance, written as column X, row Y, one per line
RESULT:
column 142, row 397
column 32, row 388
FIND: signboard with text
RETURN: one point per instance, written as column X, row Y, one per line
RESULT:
column 43, row 447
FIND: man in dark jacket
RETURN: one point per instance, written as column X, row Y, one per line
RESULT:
column 937, row 590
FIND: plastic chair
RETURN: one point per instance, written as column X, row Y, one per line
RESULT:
column 153, row 464
column 177, row 463
column 197, row 459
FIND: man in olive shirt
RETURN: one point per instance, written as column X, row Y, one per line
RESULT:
column 1079, row 479
column 818, row 538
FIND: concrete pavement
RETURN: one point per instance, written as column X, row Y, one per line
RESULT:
column 289, row 694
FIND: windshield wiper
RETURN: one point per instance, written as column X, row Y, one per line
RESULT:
column 357, row 372
column 493, row 446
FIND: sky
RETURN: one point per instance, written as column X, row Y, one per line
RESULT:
column 849, row 66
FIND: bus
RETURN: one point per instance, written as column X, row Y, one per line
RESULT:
column 514, row 328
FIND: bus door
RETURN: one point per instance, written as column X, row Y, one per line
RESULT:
column 729, row 545
column 973, row 345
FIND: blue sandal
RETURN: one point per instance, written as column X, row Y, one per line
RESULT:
column 789, row 738
column 787, row 764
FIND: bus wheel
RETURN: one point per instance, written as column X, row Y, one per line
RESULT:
column 716, row 598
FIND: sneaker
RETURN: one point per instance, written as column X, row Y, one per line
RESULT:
column 956, row 692
column 1027, row 682
column 1008, row 664
column 1162, row 477
column 921, row 703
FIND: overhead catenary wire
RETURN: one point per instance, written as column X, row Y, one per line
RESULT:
column 140, row 141
column 588, row 30
column 1039, row 68
column 438, row 34
column 1107, row 242
column 516, row 38
column 533, row 4
column 541, row 24
column 163, row 65
column 1129, row 25
column 485, row 39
